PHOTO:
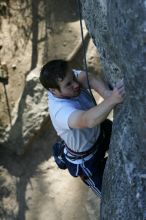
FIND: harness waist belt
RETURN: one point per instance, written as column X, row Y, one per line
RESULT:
column 81, row 155
column 75, row 159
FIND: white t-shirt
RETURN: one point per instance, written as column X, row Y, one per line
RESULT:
column 60, row 109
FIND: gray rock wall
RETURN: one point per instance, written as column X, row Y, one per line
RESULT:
column 118, row 29
column 29, row 115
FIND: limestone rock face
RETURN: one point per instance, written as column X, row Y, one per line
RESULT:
column 29, row 113
column 118, row 29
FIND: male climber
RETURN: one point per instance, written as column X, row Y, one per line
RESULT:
column 78, row 121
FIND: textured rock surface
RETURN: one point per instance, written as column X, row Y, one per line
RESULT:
column 118, row 29
column 30, row 112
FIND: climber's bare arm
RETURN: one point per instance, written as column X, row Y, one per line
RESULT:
column 97, row 114
column 96, row 83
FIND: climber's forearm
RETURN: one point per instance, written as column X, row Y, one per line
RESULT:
column 100, row 86
column 96, row 83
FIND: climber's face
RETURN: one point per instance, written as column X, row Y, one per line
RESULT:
column 69, row 86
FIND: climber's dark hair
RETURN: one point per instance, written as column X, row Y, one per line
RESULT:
column 51, row 72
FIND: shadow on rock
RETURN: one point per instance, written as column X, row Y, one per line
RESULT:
column 25, row 167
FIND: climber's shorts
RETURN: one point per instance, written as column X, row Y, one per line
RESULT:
column 91, row 168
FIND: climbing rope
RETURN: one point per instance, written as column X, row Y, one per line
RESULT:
column 84, row 50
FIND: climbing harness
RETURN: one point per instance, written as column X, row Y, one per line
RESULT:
column 84, row 50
